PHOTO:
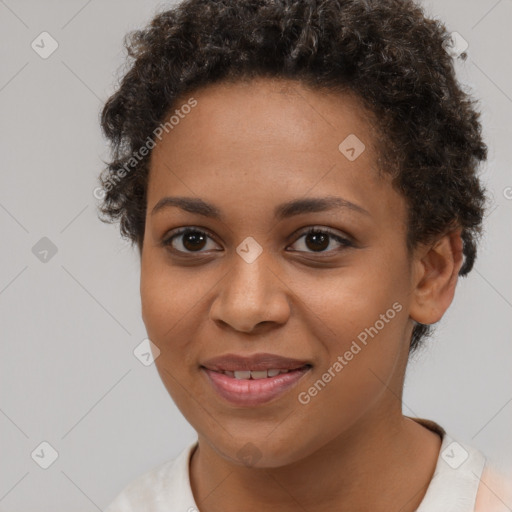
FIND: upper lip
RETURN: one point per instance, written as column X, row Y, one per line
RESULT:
column 254, row 362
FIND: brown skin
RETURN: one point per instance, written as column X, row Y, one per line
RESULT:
column 246, row 148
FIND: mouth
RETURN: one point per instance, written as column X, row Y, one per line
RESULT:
column 250, row 388
column 259, row 374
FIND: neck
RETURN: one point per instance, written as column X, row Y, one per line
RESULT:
column 383, row 462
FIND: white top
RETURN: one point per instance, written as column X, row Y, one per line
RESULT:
column 453, row 488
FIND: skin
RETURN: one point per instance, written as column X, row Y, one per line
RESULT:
column 246, row 148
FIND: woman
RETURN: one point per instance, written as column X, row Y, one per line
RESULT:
column 300, row 178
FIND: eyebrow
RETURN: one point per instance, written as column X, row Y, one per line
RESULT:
column 282, row 211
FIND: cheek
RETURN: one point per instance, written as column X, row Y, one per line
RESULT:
column 158, row 308
column 166, row 298
column 173, row 311
column 349, row 300
column 164, row 309
column 358, row 318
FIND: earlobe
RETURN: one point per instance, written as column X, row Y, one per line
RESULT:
column 435, row 277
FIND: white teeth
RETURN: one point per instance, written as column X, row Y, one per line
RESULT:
column 256, row 374
column 259, row 374
column 242, row 375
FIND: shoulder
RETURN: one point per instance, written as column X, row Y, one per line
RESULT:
column 158, row 488
column 494, row 491
column 140, row 494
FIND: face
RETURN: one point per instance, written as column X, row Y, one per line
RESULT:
column 253, row 281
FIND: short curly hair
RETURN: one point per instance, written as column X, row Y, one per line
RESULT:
column 386, row 52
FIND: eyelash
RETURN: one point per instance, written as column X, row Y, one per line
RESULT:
column 345, row 242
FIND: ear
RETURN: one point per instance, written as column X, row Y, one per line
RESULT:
column 436, row 269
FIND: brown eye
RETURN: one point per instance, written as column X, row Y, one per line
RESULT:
column 318, row 240
column 187, row 240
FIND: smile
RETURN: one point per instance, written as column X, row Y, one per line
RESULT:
column 246, row 388
column 256, row 374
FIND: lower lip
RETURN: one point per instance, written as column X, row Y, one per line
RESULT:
column 250, row 392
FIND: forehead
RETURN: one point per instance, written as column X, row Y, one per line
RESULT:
column 268, row 140
column 272, row 112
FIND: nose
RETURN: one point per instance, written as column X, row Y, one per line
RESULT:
column 251, row 296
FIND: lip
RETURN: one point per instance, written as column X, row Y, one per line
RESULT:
column 261, row 361
column 249, row 392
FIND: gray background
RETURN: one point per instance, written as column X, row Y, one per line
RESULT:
column 69, row 326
